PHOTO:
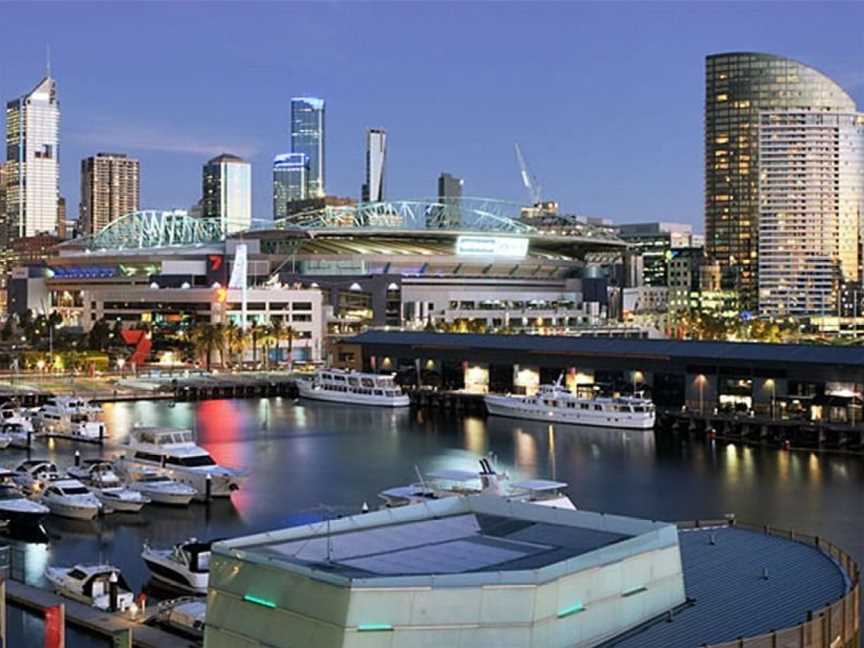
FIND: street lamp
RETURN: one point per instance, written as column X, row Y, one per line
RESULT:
column 773, row 387
column 700, row 379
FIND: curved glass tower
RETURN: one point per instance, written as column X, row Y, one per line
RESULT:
column 738, row 87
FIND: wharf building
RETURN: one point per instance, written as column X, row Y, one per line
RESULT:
column 110, row 188
column 485, row 571
column 227, row 193
column 739, row 87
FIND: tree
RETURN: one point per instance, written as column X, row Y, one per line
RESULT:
column 206, row 338
column 220, row 333
column 235, row 340
column 99, row 335
column 255, row 333
column 7, row 332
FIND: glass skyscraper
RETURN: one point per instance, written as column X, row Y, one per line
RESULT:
column 738, row 87
column 376, row 157
column 307, row 137
column 227, row 193
column 290, row 181
column 32, row 169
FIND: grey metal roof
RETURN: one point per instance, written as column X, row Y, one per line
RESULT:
column 748, row 352
column 732, row 599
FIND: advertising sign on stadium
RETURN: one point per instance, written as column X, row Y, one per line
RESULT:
column 496, row 246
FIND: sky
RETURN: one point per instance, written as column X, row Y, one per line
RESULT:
column 605, row 99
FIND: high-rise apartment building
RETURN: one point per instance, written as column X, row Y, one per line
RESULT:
column 738, row 86
column 110, row 188
column 376, row 158
column 655, row 243
column 811, row 198
column 450, row 195
column 32, row 168
column 227, row 193
column 307, row 136
column 290, row 181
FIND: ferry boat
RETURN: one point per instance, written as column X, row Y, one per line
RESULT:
column 69, row 416
column 174, row 452
column 353, row 388
column 90, row 584
column 185, row 566
column 456, row 483
column 556, row 404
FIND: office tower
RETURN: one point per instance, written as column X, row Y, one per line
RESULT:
column 290, row 181
column 3, row 170
column 450, row 195
column 32, row 173
column 376, row 158
column 737, row 87
column 307, row 136
column 227, row 193
column 110, row 188
column 811, row 196
column 654, row 242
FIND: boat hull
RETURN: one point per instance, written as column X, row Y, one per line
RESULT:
column 23, row 520
column 71, row 511
column 165, row 498
column 512, row 408
column 189, row 582
column 308, row 391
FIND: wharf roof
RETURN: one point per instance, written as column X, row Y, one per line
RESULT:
column 622, row 348
column 732, row 599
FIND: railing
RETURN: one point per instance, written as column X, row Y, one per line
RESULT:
column 837, row 625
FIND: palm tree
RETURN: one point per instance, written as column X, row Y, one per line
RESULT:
column 221, row 335
column 267, row 338
column 277, row 331
column 206, row 338
column 235, row 339
column 255, row 333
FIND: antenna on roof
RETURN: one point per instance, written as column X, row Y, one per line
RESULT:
column 48, row 59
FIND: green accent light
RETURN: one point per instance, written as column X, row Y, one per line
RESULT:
column 259, row 601
column 374, row 627
column 573, row 609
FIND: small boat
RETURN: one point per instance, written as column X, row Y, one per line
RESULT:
column 108, row 487
column 175, row 453
column 456, row 483
column 17, row 433
column 12, row 414
column 21, row 513
column 5, row 438
column 353, row 388
column 557, row 404
column 91, row 584
column 69, row 416
column 33, row 474
column 161, row 489
column 185, row 566
column 186, row 615
column 70, row 498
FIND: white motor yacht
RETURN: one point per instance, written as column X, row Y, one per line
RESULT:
column 90, row 584
column 6, row 436
column 69, row 416
column 557, row 404
column 108, row 488
column 185, row 566
column 456, row 483
column 70, row 498
column 174, row 452
column 21, row 513
column 185, row 615
column 353, row 388
column 33, row 474
column 17, row 433
column 159, row 488
column 12, row 414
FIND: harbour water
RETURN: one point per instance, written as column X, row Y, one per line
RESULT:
column 306, row 458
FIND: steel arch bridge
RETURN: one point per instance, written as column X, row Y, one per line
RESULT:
column 469, row 214
column 154, row 229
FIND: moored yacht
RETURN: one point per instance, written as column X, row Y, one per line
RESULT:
column 33, row 474
column 185, row 566
column 17, row 433
column 71, row 417
column 70, row 498
column 21, row 513
column 108, row 487
column 456, row 483
column 174, row 452
column 159, row 488
column 557, row 404
column 353, row 388
column 13, row 414
column 90, row 584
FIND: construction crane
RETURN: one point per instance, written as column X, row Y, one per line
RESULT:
column 528, row 180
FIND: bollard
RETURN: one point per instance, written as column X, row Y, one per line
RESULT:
column 29, row 438
column 113, row 588
column 77, row 458
column 712, row 539
column 364, row 508
column 208, row 487
column 101, row 433
column 764, row 573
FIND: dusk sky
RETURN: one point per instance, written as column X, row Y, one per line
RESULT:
column 606, row 99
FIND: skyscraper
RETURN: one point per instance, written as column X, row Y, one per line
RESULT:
column 32, row 153
column 307, row 136
column 811, row 198
column 376, row 158
column 449, row 195
column 109, row 189
column 290, row 181
column 738, row 86
column 227, row 193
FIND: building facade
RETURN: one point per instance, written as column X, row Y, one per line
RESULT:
column 227, row 193
column 32, row 162
column 449, row 195
column 811, row 197
column 738, row 86
column 290, row 181
column 307, row 136
column 110, row 188
column 655, row 243
column 376, row 158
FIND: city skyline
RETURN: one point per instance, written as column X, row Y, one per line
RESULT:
column 578, row 148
